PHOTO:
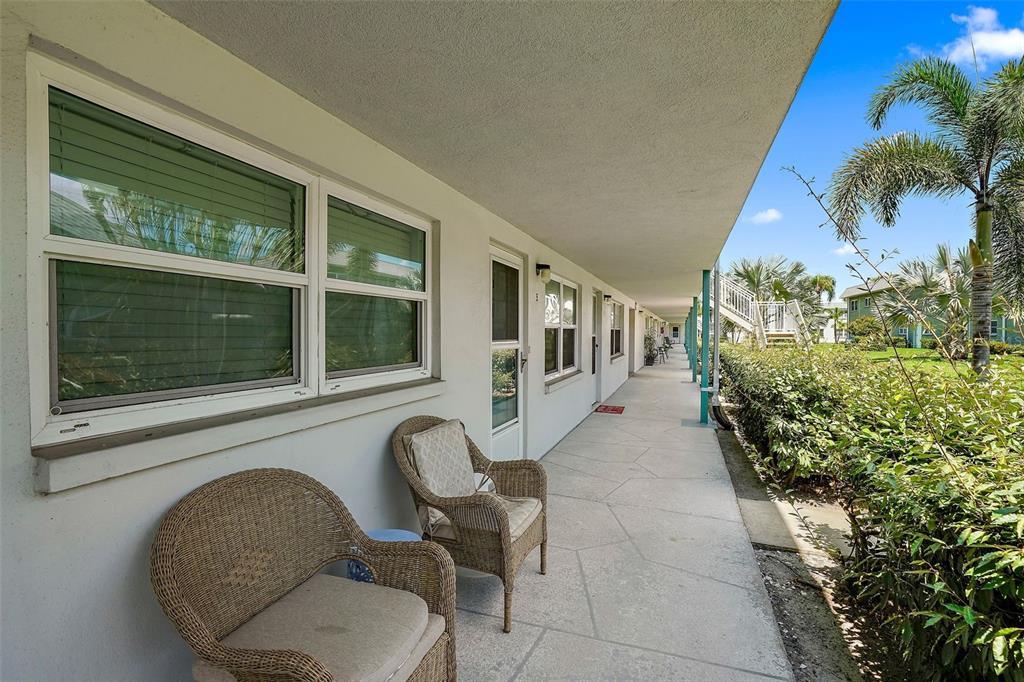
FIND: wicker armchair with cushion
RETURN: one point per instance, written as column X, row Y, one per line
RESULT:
column 485, row 531
column 236, row 566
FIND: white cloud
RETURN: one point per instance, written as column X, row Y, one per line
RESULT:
column 845, row 250
column 769, row 215
column 979, row 18
column 992, row 42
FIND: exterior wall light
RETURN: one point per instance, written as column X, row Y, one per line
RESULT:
column 607, row 297
column 544, row 272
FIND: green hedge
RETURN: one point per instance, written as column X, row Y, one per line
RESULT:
column 934, row 485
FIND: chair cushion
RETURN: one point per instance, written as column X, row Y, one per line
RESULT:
column 441, row 458
column 359, row 631
column 522, row 511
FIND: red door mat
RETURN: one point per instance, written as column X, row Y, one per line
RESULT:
column 610, row 409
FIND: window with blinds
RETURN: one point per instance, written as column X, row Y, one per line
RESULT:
column 376, row 292
column 180, row 274
column 364, row 246
column 121, row 334
column 370, row 333
column 114, row 179
column 125, row 335
column 560, row 343
column 615, row 316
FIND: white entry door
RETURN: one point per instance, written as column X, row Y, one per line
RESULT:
column 507, row 360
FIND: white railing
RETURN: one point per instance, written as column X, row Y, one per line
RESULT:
column 803, row 332
column 774, row 317
column 763, row 318
column 737, row 299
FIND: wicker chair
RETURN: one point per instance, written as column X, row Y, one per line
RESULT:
column 251, row 545
column 482, row 538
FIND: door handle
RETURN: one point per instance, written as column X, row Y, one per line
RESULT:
column 522, row 362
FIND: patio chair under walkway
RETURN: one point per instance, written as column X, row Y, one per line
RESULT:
column 651, row 575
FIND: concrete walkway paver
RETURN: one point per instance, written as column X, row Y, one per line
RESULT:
column 651, row 575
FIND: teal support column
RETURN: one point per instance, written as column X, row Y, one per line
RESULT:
column 686, row 334
column 693, row 339
column 705, row 335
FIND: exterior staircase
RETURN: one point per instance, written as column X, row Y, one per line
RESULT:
column 772, row 323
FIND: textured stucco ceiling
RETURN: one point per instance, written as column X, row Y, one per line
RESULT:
column 624, row 135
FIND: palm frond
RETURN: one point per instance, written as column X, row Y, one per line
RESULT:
column 1005, row 90
column 759, row 274
column 1008, row 250
column 878, row 175
column 939, row 86
column 1008, row 184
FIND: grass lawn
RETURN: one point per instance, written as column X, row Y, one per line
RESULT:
column 930, row 360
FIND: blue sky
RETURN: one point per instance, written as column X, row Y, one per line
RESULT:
column 863, row 46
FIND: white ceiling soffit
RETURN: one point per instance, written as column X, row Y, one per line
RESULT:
column 623, row 135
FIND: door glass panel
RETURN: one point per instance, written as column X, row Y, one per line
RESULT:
column 504, row 386
column 504, row 302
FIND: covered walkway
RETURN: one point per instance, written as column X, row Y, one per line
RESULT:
column 650, row 574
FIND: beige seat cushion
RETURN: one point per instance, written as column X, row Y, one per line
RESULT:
column 441, row 458
column 522, row 511
column 359, row 631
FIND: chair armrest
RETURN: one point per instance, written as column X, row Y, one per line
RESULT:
column 479, row 511
column 423, row 568
column 520, row 478
column 257, row 665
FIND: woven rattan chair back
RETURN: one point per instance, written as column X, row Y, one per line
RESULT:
column 236, row 545
column 405, row 460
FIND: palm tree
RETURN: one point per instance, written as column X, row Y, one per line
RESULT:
column 977, row 148
column 835, row 316
column 822, row 285
column 939, row 288
column 759, row 275
column 789, row 280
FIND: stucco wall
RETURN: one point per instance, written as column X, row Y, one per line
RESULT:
column 76, row 599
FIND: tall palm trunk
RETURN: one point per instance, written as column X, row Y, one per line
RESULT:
column 981, row 286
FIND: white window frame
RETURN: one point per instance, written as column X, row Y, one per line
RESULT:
column 854, row 305
column 561, row 370
column 43, row 247
column 611, row 327
column 357, row 380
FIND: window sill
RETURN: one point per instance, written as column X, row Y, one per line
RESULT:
column 617, row 357
column 69, row 465
column 559, row 382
